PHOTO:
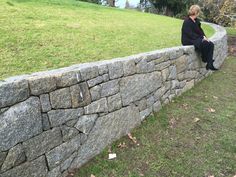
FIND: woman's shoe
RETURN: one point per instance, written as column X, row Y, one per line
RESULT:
column 211, row 67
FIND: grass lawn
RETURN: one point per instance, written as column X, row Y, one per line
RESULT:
column 231, row 31
column 193, row 136
column 39, row 35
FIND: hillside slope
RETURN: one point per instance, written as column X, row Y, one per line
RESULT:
column 38, row 35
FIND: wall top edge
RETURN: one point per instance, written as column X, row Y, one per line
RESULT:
column 220, row 32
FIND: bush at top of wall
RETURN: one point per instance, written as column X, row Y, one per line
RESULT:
column 42, row 35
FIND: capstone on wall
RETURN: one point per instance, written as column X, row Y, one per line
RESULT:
column 55, row 121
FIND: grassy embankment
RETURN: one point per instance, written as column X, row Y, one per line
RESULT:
column 38, row 35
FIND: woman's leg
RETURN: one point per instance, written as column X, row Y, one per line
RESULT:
column 207, row 50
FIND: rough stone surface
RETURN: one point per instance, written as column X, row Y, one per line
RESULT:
column 45, row 122
column 162, row 66
column 142, row 104
column 60, row 98
column 89, row 72
column 115, row 70
column 62, row 152
column 145, row 113
column 42, row 143
column 95, row 81
column 95, row 92
column 80, row 95
column 102, row 69
column 114, row 102
column 68, row 78
column 45, row 103
column 109, row 88
column 165, row 74
column 86, row 123
column 59, row 117
column 68, row 133
column 135, row 87
column 99, row 106
column 36, row 168
column 129, row 68
column 20, row 122
column 105, row 77
column 66, row 164
column 13, row 92
column 150, row 101
column 42, row 84
column 116, row 124
column 2, row 158
column 56, row 172
column 157, row 106
column 15, row 156
column 181, row 64
column 173, row 72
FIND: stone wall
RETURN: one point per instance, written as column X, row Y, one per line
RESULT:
column 54, row 121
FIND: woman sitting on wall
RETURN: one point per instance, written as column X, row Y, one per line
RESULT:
column 192, row 34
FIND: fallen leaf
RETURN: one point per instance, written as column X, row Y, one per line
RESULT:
column 122, row 145
column 112, row 156
column 172, row 123
column 211, row 176
column 211, row 110
column 215, row 97
column 92, row 175
column 132, row 138
column 196, row 120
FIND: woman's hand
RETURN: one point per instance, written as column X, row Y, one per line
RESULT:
column 205, row 38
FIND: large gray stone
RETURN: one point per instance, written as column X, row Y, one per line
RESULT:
column 68, row 78
column 173, row 72
column 145, row 113
column 59, row 117
column 62, row 152
column 56, row 172
column 115, row 70
column 114, row 102
column 42, row 84
column 86, row 123
column 109, row 88
column 68, row 132
column 45, row 122
column 102, row 69
column 42, row 143
column 36, row 168
column 89, row 72
column 45, row 103
column 2, row 158
column 133, row 88
column 60, row 98
column 66, row 164
column 80, row 95
column 95, row 92
column 107, row 129
column 129, row 67
column 20, row 122
column 95, row 81
column 15, row 156
column 157, row 106
column 13, row 92
column 99, row 106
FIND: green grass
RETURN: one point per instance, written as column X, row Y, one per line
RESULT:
column 231, row 31
column 39, row 35
column 172, row 144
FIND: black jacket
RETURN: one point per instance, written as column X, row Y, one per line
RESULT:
column 192, row 33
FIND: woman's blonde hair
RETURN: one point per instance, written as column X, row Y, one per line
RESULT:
column 194, row 10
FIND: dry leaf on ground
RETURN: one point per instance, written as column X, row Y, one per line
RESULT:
column 122, row 145
column 215, row 97
column 92, row 175
column 211, row 110
column 132, row 138
column 196, row 120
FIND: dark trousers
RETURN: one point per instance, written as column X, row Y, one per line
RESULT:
column 207, row 49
